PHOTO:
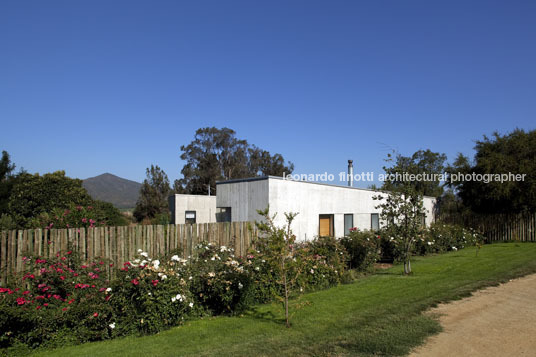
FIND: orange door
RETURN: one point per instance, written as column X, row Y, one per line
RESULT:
column 325, row 226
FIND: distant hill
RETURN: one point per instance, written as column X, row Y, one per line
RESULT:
column 122, row 193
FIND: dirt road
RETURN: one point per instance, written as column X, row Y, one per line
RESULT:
column 497, row 321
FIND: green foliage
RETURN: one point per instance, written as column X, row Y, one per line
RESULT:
column 438, row 238
column 76, row 216
column 7, row 222
column 32, row 201
column 109, row 214
column 278, row 245
column 420, row 162
column 216, row 155
column 282, row 268
column 380, row 315
column 323, row 263
column 33, row 195
column 219, row 280
column 54, row 298
column 148, row 296
column 402, row 211
column 62, row 300
column 154, row 192
column 6, row 181
column 331, row 251
column 161, row 219
column 511, row 153
column 363, row 248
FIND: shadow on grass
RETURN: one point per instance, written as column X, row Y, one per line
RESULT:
column 267, row 316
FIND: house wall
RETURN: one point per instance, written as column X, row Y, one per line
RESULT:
column 308, row 199
column 311, row 200
column 244, row 198
column 204, row 206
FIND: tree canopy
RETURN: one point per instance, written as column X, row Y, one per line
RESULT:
column 30, row 201
column 216, row 154
column 33, row 195
column 6, row 181
column 422, row 161
column 154, row 192
column 501, row 154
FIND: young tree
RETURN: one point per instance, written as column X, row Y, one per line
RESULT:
column 216, row 154
column 279, row 243
column 403, row 212
column 154, row 194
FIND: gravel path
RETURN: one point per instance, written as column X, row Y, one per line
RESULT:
column 497, row 321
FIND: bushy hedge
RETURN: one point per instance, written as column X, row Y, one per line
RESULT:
column 320, row 264
column 63, row 300
column 438, row 238
column 363, row 248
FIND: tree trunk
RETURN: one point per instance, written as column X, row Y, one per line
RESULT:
column 286, row 300
column 407, row 257
column 407, row 267
column 285, row 287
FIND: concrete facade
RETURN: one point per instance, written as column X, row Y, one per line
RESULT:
column 308, row 199
column 203, row 206
column 239, row 200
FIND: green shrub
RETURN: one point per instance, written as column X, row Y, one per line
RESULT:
column 441, row 238
column 324, row 261
column 98, row 214
column 362, row 248
column 148, row 296
column 218, row 280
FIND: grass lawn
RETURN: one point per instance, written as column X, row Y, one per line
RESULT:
column 380, row 314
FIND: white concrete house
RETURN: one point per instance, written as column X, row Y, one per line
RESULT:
column 192, row 209
column 322, row 209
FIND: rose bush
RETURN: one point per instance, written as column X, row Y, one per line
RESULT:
column 62, row 300
column 218, row 280
column 363, row 248
column 438, row 238
column 149, row 295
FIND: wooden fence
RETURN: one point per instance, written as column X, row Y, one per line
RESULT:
column 119, row 244
column 500, row 227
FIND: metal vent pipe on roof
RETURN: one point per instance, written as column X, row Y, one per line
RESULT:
column 350, row 173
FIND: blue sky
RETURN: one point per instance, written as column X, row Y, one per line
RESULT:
column 115, row 86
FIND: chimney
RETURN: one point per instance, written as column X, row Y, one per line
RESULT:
column 350, row 173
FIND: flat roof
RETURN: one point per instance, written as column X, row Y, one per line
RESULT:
column 249, row 179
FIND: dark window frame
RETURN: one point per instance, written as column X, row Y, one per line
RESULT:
column 352, row 225
column 372, row 221
column 188, row 220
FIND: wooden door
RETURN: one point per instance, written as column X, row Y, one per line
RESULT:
column 325, row 225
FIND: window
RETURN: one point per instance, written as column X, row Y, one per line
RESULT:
column 325, row 225
column 190, row 217
column 374, row 221
column 223, row 214
column 348, row 223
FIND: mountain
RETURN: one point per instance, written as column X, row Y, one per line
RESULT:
column 122, row 193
